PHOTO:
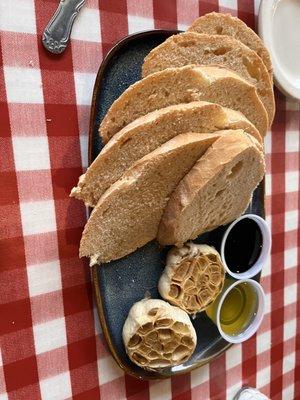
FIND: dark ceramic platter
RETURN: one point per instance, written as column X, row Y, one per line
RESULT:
column 119, row 284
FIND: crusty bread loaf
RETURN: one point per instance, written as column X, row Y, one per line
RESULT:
column 148, row 133
column 183, row 85
column 128, row 214
column 225, row 24
column 216, row 191
column 198, row 48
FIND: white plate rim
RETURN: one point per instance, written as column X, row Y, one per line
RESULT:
column 265, row 16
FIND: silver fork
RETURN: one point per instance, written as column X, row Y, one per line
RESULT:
column 57, row 33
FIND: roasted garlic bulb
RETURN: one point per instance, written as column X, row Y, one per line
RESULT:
column 158, row 335
column 193, row 277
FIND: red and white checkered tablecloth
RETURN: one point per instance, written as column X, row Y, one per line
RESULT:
column 51, row 343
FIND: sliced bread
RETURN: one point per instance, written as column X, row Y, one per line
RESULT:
column 183, row 85
column 148, row 133
column 225, row 24
column 198, row 48
column 216, row 191
column 128, row 214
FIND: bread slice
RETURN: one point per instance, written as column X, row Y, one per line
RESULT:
column 198, row 48
column 183, row 85
column 128, row 214
column 216, row 191
column 148, row 133
column 225, row 24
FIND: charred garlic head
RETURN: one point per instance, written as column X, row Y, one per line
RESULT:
column 158, row 335
column 193, row 277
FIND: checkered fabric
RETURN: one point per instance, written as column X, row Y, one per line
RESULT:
column 51, row 343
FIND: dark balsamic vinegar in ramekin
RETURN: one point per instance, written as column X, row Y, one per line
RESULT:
column 243, row 246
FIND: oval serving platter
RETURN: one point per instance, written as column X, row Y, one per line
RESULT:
column 119, row 284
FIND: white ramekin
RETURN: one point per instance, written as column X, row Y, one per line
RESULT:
column 265, row 250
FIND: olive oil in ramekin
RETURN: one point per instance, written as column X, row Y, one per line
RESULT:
column 238, row 309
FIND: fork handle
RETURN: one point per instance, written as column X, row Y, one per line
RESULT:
column 57, row 33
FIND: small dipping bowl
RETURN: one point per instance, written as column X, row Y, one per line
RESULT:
column 238, row 310
column 264, row 246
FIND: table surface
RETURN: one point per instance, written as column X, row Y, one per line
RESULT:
column 51, row 343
